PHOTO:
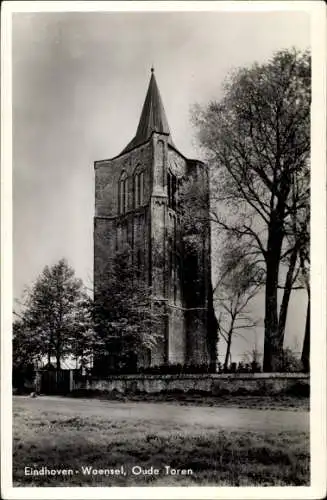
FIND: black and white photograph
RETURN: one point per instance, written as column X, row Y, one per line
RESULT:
column 165, row 255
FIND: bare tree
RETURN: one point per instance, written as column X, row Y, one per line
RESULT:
column 257, row 141
column 239, row 283
column 297, row 238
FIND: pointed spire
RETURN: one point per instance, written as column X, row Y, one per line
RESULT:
column 153, row 116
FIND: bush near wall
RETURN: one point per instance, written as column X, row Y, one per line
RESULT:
column 172, row 369
column 289, row 364
column 23, row 379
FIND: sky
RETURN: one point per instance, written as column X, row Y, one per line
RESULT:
column 79, row 82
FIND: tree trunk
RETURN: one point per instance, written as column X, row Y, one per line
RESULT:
column 305, row 358
column 212, row 333
column 286, row 299
column 229, row 344
column 58, row 361
column 271, row 348
column 227, row 352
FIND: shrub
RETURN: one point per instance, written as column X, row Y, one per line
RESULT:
column 299, row 389
column 289, row 362
column 164, row 369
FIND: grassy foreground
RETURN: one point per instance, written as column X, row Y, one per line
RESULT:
column 262, row 402
column 71, row 440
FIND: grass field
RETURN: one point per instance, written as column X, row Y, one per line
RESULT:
column 71, row 435
column 263, row 402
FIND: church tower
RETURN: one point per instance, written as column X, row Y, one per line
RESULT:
column 136, row 203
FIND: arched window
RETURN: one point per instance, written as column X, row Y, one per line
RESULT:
column 141, row 188
column 126, row 195
column 138, row 188
column 172, row 186
column 123, row 193
column 161, row 153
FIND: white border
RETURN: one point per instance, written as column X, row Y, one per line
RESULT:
column 159, row 5
column 317, row 11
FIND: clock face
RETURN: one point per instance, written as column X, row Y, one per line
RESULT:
column 177, row 165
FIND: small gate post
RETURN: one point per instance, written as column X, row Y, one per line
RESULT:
column 71, row 380
column 37, row 381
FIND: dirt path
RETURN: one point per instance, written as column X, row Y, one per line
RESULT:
column 215, row 417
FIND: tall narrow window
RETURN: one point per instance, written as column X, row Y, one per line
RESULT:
column 141, row 188
column 172, row 190
column 123, row 193
column 160, row 153
column 126, row 195
column 174, row 276
column 138, row 189
column 169, row 188
column 175, row 257
column 170, row 266
column 159, row 171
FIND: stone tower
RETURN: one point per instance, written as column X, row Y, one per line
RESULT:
column 136, row 202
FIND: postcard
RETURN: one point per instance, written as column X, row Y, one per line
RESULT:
column 163, row 250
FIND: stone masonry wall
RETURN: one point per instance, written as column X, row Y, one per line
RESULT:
column 108, row 231
column 167, row 284
column 177, row 336
column 107, row 174
column 197, row 274
column 212, row 383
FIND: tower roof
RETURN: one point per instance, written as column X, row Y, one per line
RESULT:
column 153, row 117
